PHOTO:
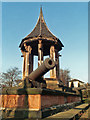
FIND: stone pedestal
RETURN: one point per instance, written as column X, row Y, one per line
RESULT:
column 34, row 102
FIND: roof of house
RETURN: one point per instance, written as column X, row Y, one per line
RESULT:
column 76, row 80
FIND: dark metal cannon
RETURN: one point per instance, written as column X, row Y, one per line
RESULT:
column 35, row 78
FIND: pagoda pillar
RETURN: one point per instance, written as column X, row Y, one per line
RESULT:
column 57, row 65
column 52, row 55
column 40, row 53
column 23, row 69
column 28, row 61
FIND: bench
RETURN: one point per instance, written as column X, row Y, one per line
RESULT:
column 70, row 114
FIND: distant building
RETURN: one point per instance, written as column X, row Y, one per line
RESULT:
column 76, row 83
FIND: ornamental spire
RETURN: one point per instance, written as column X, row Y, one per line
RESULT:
column 41, row 20
column 41, row 13
column 40, row 29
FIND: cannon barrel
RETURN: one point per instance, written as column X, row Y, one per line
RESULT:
column 42, row 69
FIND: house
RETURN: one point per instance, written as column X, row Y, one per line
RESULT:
column 76, row 83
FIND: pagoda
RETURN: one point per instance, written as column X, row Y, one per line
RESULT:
column 40, row 42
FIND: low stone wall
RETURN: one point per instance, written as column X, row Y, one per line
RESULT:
column 33, row 101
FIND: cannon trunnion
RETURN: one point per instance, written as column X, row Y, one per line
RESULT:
column 35, row 78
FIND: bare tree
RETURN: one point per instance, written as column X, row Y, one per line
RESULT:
column 10, row 78
column 65, row 76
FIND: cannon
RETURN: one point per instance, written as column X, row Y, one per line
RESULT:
column 35, row 78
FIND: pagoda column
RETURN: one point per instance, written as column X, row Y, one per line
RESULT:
column 23, row 69
column 57, row 65
column 52, row 55
column 28, row 60
column 40, row 53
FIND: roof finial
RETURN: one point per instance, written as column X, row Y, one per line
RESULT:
column 41, row 14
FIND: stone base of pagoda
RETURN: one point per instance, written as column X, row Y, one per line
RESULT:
column 35, row 102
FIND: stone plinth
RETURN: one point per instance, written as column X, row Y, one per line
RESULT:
column 33, row 102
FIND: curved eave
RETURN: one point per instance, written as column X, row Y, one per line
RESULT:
column 47, row 43
column 29, row 35
column 31, row 39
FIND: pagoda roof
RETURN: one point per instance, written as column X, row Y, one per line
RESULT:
column 41, row 32
column 40, row 29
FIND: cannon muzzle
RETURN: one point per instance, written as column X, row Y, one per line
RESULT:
column 35, row 78
column 42, row 69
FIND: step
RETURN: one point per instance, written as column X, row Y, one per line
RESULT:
column 69, row 114
column 86, row 115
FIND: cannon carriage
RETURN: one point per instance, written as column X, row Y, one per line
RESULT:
column 35, row 78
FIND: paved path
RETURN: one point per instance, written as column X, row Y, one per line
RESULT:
column 86, row 115
column 70, row 114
